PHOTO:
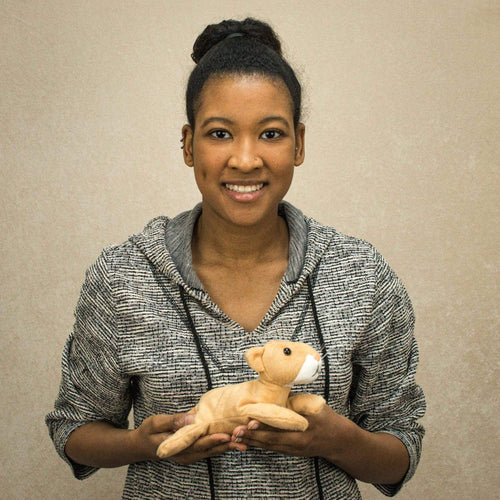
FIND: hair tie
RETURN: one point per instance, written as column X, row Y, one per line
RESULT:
column 233, row 35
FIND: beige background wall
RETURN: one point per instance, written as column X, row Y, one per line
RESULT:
column 402, row 150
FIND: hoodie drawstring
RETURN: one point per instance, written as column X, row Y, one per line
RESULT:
column 207, row 375
column 326, row 364
column 203, row 360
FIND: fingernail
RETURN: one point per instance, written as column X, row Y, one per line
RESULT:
column 238, row 440
column 253, row 426
column 240, row 434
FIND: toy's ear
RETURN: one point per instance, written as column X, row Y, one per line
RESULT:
column 254, row 358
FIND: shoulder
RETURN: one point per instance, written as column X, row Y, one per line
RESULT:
column 355, row 259
column 138, row 246
column 129, row 258
column 340, row 248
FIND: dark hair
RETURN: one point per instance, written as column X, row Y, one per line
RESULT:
column 245, row 47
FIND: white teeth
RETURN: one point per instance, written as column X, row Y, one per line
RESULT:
column 244, row 189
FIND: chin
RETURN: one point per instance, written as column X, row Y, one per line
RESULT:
column 247, row 216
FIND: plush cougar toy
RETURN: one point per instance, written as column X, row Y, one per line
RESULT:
column 280, row 366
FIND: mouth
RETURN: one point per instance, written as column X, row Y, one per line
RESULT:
column 240, row 188
column 317, row 371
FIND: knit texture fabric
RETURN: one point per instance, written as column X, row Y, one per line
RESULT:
column 132, row 346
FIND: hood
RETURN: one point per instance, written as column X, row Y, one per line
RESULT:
column 166, row 243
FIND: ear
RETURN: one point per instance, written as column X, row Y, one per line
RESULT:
column 254, row 358
column 300, row 151
column 187, row 148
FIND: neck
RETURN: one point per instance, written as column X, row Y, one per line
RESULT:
column 271, row 391
column 217, row 242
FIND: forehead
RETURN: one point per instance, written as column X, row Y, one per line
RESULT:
column 244, row 95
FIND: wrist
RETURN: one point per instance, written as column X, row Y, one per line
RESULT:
column 346, row 434
column 139, row 449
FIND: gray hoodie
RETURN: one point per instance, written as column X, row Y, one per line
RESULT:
column 142, row 310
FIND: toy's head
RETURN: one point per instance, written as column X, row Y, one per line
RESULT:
column 285, row 363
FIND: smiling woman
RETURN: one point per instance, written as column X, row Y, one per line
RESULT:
column 168, row 314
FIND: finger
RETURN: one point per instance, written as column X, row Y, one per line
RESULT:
column 213, row 443
column 239, row 431
column 290, row 443
column 253, row 425
column 188, row 458
column 169, row 423
column 206, row 447
column 210, row 441
column 157, row 439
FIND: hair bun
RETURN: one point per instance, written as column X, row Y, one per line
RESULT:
column 251, row 28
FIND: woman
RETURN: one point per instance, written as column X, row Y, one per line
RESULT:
column 169, row 313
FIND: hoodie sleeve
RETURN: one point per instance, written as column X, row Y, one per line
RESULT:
column 92, row 385
column 386, row 397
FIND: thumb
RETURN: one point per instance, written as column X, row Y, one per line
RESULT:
column 166, row 423
column 182, row 419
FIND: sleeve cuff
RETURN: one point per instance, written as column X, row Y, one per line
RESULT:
column 60, row 437
column 413, row 446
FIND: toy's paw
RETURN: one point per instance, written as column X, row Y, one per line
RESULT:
column 302, row 425
column 163, row 450
column 306, row 404
column 180, row 440
column 316, row 404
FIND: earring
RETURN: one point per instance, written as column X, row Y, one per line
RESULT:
column 182, row 140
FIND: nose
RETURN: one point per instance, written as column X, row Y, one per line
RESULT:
column 244, row 156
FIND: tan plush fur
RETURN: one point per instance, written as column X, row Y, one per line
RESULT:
column 280, row 365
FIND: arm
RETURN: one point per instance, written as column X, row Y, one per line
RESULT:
column 370, row 457
column 93, row 388
column 379, row 458
column 99, row 444
column 386, row 398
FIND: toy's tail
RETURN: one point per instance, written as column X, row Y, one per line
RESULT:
column 180, row 440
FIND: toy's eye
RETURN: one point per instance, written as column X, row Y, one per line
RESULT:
column 287, row 351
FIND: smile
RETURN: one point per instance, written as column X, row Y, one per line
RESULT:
column 244, row 189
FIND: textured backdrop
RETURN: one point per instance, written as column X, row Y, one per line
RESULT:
column 402, row 117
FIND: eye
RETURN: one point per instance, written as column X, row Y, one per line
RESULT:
column 220, row 134
column 271, row 134
column 287, row 351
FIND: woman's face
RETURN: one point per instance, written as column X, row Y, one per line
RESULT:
column 244, row 147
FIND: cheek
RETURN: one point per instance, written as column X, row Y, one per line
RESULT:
column 284, row 166
column 284, row 157
column 208, row 159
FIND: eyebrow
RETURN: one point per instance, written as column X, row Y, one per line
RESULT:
column 274, row 118
column 265, row 120
column 216, row 119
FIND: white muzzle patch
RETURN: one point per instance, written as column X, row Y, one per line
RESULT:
column 309, row 372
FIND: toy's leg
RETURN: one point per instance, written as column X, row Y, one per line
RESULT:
column 180, row 440
column 275, row 416
column 306, row 404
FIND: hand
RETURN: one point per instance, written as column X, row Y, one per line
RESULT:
column 321, row 438
column 155, row 429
